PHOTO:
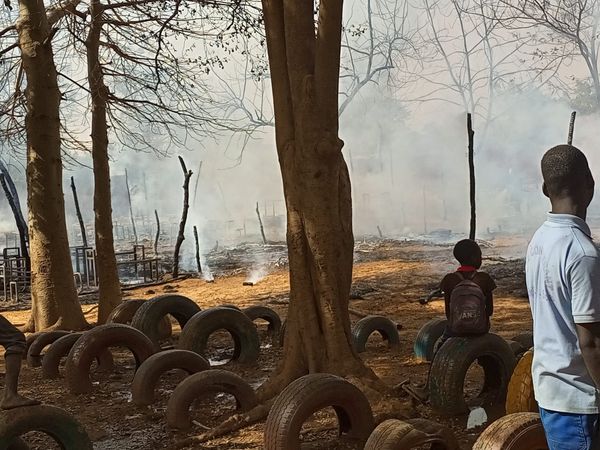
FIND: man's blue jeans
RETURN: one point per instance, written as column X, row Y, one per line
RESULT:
column 565, row 431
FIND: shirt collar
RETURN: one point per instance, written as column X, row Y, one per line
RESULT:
column 571, row 221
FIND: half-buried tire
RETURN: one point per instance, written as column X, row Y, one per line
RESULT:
column 415, row 433
column 199, row 385
column 262, row 312
column 125, row 311
column 520, row 396
column 55, row 422
column 92, row 343
column 428, row 337
column 525, row 339
column 150, row 314
column 309, row 394
column 521, row 431
column 366, row 326
column 34, row 353
column 61, row 348
column 450, row 365
column 195, row 334
column 147, row 376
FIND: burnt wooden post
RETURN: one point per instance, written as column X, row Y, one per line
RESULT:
column 262, row 228
column 197, row 250
column 197, row 180
column 78, row 212
column 130, row 208
column 157, row 233
column 571, row 128
column 187, row 174
column 471, row 133
column 21, row 226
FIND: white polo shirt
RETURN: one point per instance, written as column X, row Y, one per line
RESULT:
column 563, row 282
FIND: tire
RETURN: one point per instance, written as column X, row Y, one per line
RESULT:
column 262, row 312
column 199, row 384
column 395, row 434
column 525, row 339
column 450, row 365
column 92, row 343
column 61, row 348
column 311, row 393
column 125, row 311
column 516, row 347
column 229, row 305
column 196, row 332
column 521, row 431
column 18, row 444
column 30, row 339
column 48, row 419
column 149, row 315
column 520, row 397
column 34, row 353
column 428, row 337
column 147, row 376
column 366, row 326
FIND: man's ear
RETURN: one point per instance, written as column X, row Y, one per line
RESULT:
column 545, row 190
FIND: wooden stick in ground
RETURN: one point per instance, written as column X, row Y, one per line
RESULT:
column 187, row 174
column 262, row 229
column 197, row 180
column 197, row 250
column 472, row 229
column 130, row 208
column 20, row 225
column 78, row 212
column 571, row 128
column 157, row 233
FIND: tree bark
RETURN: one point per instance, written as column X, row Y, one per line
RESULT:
column 54, row 296
column 571, row 128
column 305, row 73
column 106, row 262
column 472, row 191
column 11, row 190
column 187, row 174
column 78, row 213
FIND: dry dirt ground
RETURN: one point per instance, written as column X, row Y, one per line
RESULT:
column 390, row 278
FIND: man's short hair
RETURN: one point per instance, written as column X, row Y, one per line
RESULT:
column 565, row 170
column 467, row 251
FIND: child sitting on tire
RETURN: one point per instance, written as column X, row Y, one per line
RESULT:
column 468, row 294
column 13, row 342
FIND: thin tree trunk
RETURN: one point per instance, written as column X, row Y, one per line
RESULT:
column 157, row 233
column 571, row 128
column 187, row 174
column 260, row 223
column 472, row 191
column 18, row 214
column 20, row 225
column 78, row 213
column 106, row 262
column 197, row 181
column 54, row 296
column 130, row 208
column 197, row 250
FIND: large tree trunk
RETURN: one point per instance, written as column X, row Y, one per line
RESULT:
column 54, row 298
column 106, row 262
column 305, row 73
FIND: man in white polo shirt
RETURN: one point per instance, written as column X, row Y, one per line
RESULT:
column 563, row 282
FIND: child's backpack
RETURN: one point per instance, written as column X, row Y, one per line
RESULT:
column 468, row 315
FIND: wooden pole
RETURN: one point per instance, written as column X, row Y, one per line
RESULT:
column 187, row 174
column 472, row 229
column 78, row 212
column 130, row 208
column 571, row 128
column 197, row 250
column 20, row 225
column 197, row 180
column 157, row 233
column 262, row 229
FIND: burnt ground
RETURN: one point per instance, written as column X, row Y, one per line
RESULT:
column 389, row 279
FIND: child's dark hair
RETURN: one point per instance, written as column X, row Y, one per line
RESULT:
column 467, row 252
